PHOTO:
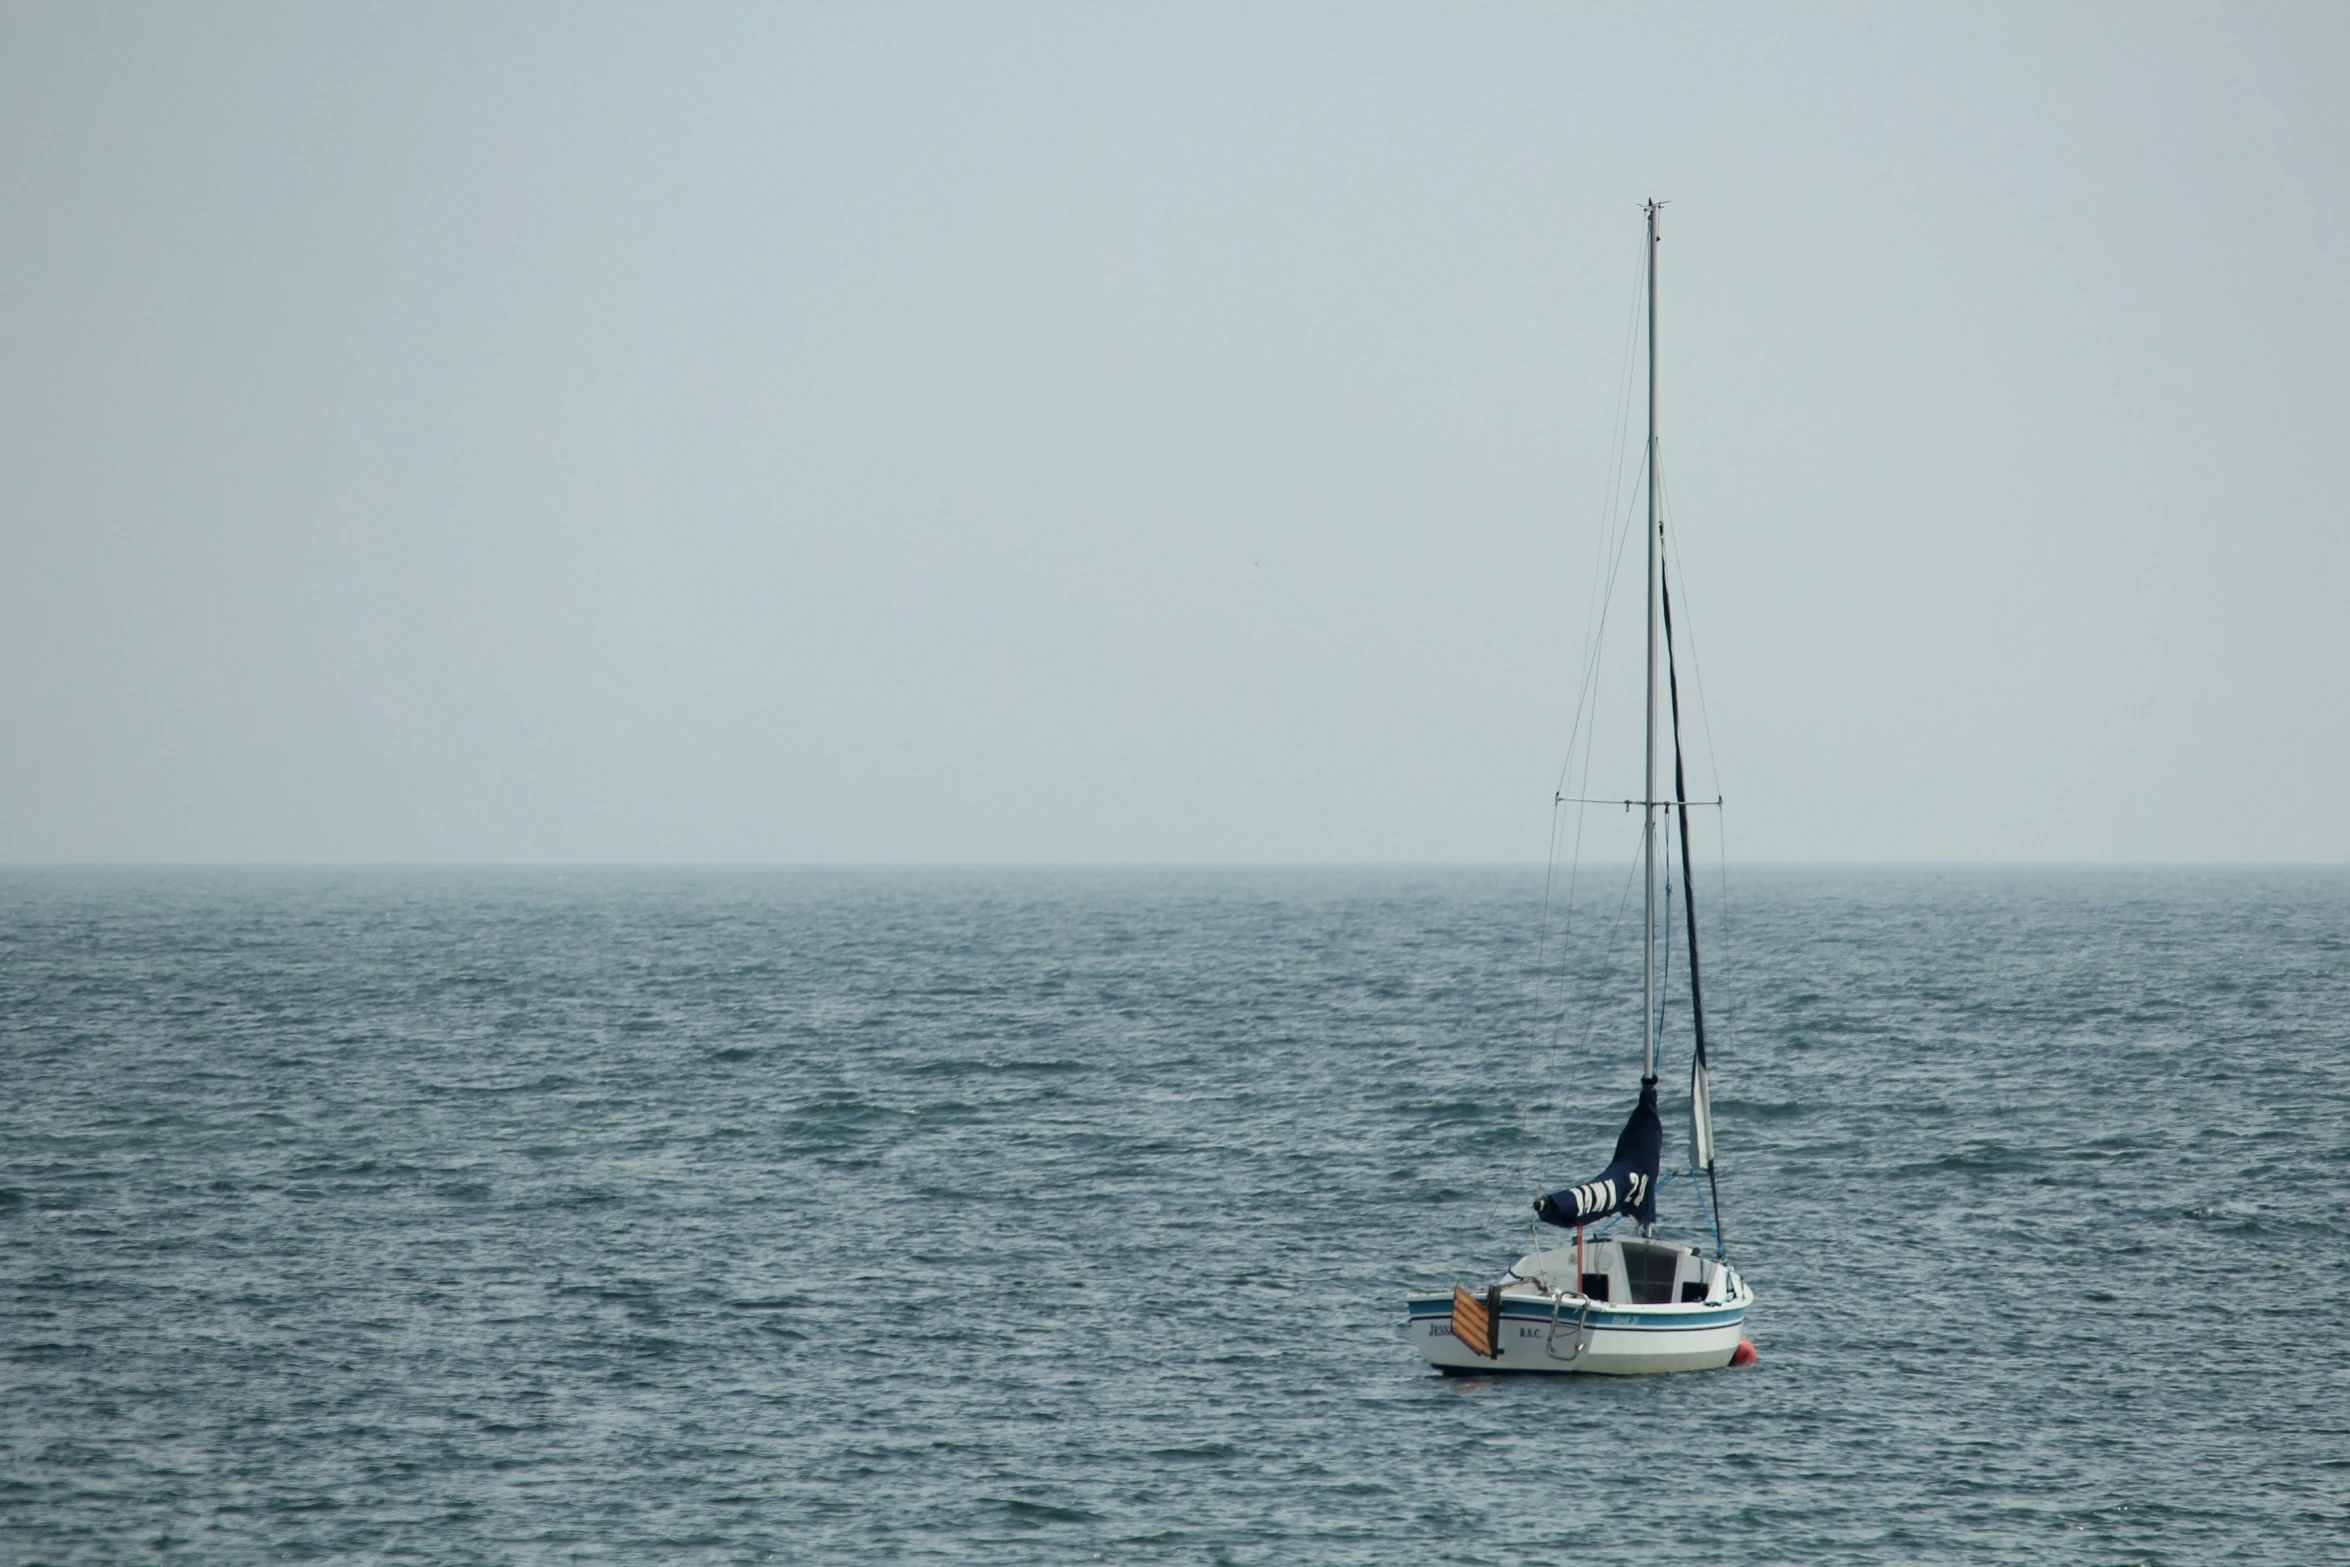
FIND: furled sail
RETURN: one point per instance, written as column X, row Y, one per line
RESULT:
column 1701, row 1117
column 1627, row 1185
column 1701, row 1107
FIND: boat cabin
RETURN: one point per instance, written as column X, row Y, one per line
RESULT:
column 1633, row 1271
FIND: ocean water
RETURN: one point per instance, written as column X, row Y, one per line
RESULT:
column 1067, row 1216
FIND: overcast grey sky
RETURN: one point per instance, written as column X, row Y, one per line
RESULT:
column 1160, row 432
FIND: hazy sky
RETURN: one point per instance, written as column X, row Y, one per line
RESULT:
column 1161, row 433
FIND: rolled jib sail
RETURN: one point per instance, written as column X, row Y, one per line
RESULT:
column 1627, row 1185
column 1701, row 1117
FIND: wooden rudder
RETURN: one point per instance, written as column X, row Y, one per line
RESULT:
column 1477, row 1323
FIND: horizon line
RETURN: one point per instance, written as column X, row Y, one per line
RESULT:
column 1132, row 865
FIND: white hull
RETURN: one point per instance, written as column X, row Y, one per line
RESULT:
column 1540, row 1334
column 1677, row 1311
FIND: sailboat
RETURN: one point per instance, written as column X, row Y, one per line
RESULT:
column 1611, row 1296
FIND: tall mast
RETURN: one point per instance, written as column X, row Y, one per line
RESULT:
column 1648, row 793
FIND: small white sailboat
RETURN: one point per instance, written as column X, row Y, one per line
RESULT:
column 1602, row 1301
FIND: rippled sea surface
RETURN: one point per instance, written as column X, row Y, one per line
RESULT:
column 1067, row 1216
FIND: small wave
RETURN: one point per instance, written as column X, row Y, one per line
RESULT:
column 1990, row 1158
column 1459, row 1111
column 1762, row 1109
column 960, row 1065
column 1195, row 1451
column 846, row 1111
column 1037, row 1514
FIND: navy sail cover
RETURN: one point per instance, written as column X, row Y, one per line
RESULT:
column 1628, row 1185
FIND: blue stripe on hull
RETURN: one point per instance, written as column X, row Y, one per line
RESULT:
column 1531, row 1311
column 1641, row 1347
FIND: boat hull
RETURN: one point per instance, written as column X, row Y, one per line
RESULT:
column 1590, row 1340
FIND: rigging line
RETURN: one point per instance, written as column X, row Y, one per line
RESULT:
column 1705, row 722
column 1689, row 621
column 1607, row 961
column 1595, row 646
column 1542, row 999
column 1720, row 1251
column 1567, row 920
column 1731, row 1013
column 1590, row 694
column 1601, row 985
column 1558, row 1019
column 1574, row 876
column 1664, row 968
column 1595, row 618
column 1598, row 982
column 1586, row 706
column 1589, row 691
column 1550, row 865
column 1688, row 868
column 1689, row 907
column 1595, row 611
column 1609, row 565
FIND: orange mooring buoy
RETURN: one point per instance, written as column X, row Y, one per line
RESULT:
column 1744, row 1354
